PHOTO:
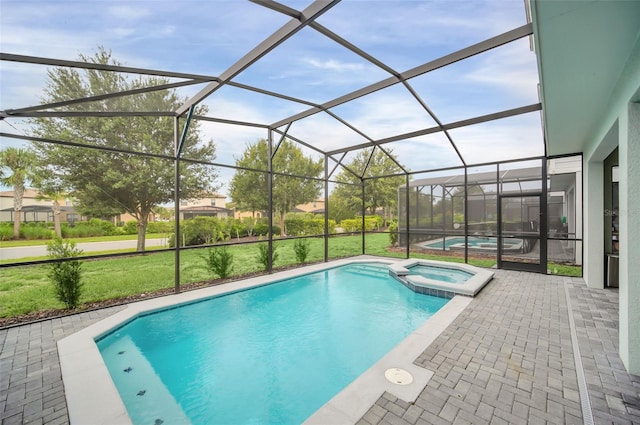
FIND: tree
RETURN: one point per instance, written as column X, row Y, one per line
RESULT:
column 16, row 168
column 105, row 182
column 163, row 213
column 379, row 193
column 249, row 189
column 50, row 188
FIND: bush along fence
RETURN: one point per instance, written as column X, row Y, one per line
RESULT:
column 198, row 230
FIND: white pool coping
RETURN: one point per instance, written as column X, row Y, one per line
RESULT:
column 469, row 288
column 93, row 398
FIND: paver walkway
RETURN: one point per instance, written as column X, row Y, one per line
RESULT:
column 508, row 358
column 31, row 389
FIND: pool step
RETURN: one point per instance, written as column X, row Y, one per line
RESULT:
column 377, row 270
column 147, row 399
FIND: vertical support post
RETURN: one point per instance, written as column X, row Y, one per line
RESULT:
column 417, row 206
column 543, row 218
column 363, row 221
column 176, row 209
column 466, row 217
column 499, row 215
column 444, row 217
column 408, row 233
column 431, row 208
column 179, row 144
column 326, row 208
column 270, row 200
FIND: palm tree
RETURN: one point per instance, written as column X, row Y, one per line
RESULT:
column 55, row 196
column 51, row 187
column 16, row 168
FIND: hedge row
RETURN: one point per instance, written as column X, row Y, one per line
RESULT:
column 196, row 231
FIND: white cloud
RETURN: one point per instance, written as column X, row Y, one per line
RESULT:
column 511, row 68
column 122, row 32
column 334, row 65
column 386, row 113
column 127, row 12
column 168, row 29
column 511, row 138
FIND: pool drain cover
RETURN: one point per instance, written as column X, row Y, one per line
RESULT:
column 398, row 376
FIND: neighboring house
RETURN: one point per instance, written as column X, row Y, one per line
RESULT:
column 34, row 209
column 315, row 207
column 126, row 217
column 248, row 214
column 212, row 205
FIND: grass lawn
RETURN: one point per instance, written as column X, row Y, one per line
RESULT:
column 564, row 269
column 27, row 289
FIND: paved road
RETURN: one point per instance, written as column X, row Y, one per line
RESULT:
column 41, row 251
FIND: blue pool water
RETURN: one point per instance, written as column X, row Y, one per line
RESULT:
column 474, row 242
column 442, row 274
column 273, row 354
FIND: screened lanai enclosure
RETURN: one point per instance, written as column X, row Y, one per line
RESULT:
column 397, row 129
column 516, row 214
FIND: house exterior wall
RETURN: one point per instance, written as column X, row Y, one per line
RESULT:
column 629, row 196
column 214, row 200
column 618, row 127
column 311, row 206
column 29, row 198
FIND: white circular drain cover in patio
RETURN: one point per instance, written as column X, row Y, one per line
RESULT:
column 398, row 376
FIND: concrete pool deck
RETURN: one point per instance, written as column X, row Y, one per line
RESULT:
column 508, row 357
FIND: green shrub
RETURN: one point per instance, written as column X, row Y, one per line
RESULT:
column 6, row 231
column 198, row 231
column 249, row 224
column 332, row 226
column 301, row 247
column 297, row 225
column 263, row 255
column 160, row 227
column 232, row 228
column 355, row 224
column 66, row 275
column 84, row 229
column 393, row 233
column 219, row 261
column 35, row 231
column 379, row 221
column 294, row 226
column 107, row 228
column 130, row 227
column 262, row 229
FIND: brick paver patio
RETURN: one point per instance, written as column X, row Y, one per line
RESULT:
column 508, row 358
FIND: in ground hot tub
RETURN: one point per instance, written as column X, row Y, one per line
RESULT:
column 440, row 278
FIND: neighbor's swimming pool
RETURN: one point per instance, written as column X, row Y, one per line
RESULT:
column 273, row 354
column 473, row 242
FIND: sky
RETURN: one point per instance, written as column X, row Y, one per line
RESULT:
column 207, row 37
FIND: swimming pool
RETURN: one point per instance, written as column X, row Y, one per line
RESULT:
column 478, row 243
column 449, row 275
column 444, row 279
column 287, row 347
